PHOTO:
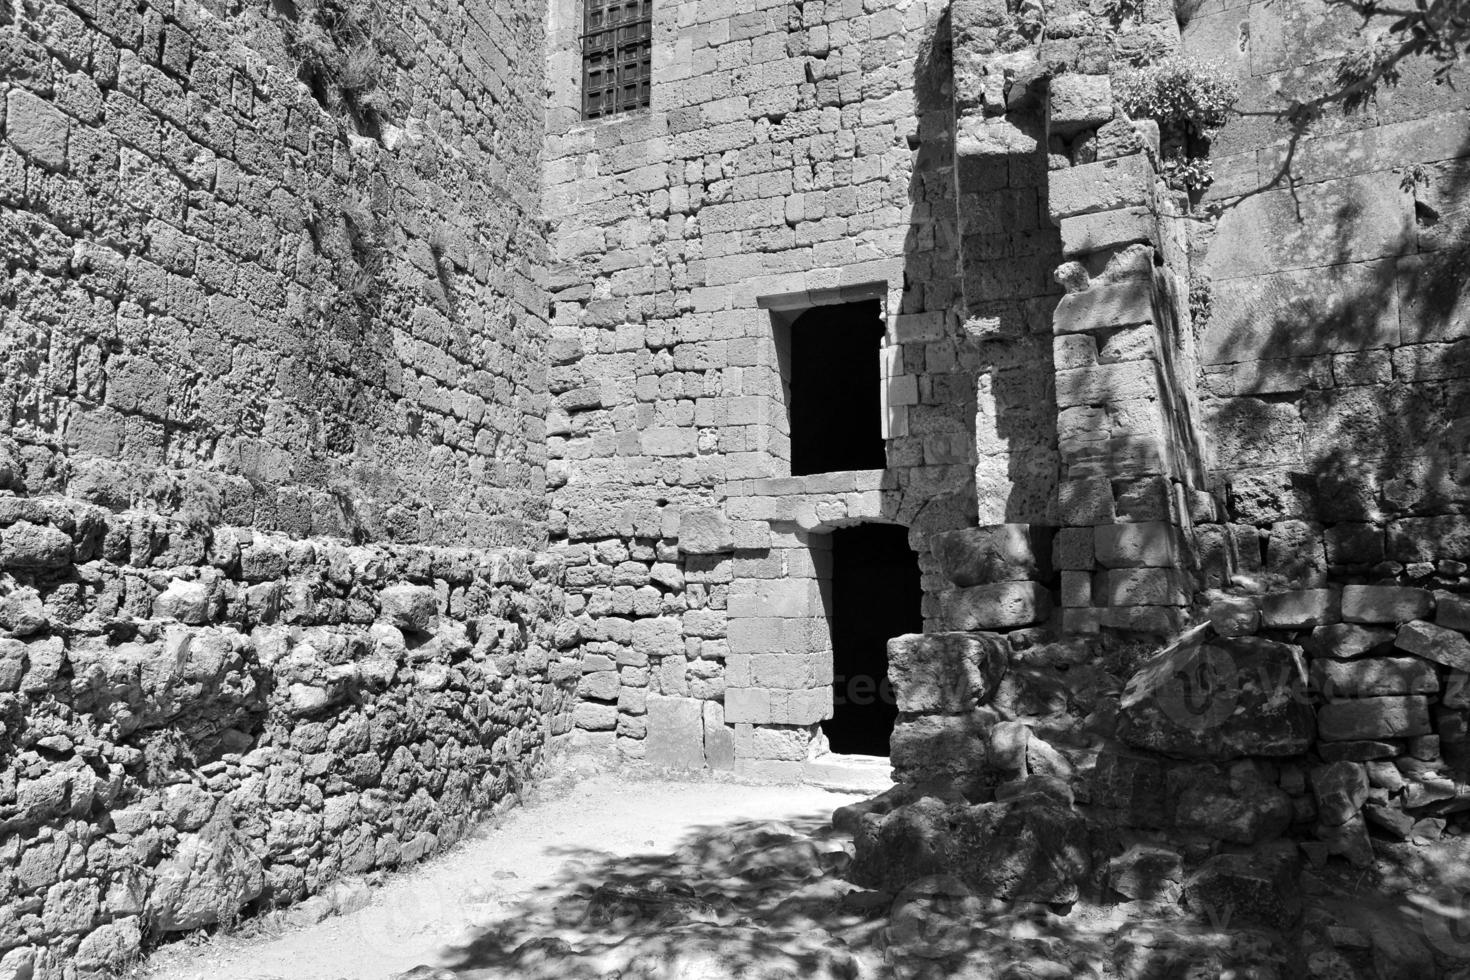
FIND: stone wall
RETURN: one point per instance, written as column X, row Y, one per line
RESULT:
column 1334, row 355
column 274, row 602
column 203, row 723
column 795, row 155
column 291, row 251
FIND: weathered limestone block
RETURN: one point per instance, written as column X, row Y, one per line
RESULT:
column 188, row 602
column 1394, row 822
column 1301, row 608
column 1078, row 101
column 409, row 607
column 210, row 876
column 1452, row 612
column 945, row 673
column 902, row 845
column 1083, row 234
column 29, row 546
column 1029, row 849
column 109, row 949
column 1004, row 605
column 1148, row 544
column 1373, row 718
column 1260, row 888
column 940, row 748
column 1144, row 872
column 1142, row 587
column 1360, row 751
column 1224, row 699
column 719, row 740
column 1373, row 677
column 998, row 553
column 600, row 686
column 1429, row 538
column 1105, row 307
column 1341, row 789
column 593, row 717
column 22, row 613
column 37, row 128
column 705, row 531
column 656, row 637
column 1295, row 552
column 1246, row 814
column 1385, row 604
column 1354, row 544
column 1132, row 785
column 12, row 663
column 1000, row 136
column 1108, row 185
column 1234, row 616
column 1443, row 646
column 1347, row 640
column 1082, row 502
column 675, row 732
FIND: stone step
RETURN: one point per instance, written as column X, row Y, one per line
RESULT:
column 849, row 773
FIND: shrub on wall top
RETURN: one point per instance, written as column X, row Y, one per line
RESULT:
column 1179, row 92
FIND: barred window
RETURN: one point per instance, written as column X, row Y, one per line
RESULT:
column 617, row 56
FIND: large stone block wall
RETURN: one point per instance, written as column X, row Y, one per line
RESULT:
column 274, row 602
column 294, row 252
column 1334, row 353
column 794, row 155
column 204, row 723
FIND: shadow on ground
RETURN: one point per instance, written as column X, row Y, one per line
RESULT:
column 768, row 900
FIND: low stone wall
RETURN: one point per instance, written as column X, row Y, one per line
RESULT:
column 201, row 724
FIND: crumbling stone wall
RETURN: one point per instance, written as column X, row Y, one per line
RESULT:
column 1249, row 443
column 274, row 605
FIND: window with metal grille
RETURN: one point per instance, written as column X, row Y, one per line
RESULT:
column 617, row 56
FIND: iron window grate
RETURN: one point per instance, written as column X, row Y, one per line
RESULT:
column 617, row 56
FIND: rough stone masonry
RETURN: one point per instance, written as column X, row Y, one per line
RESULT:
column 277, row 607
column 372, row 421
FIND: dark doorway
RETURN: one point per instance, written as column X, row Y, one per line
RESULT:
column 832, row 378
column 875, row 596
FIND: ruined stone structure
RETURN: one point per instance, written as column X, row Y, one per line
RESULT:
column 376, row 424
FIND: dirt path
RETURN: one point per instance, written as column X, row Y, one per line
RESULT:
column 430, row 914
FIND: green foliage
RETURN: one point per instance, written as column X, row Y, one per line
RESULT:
column 1415, row 176
column 1179, row 93
column 1201, row 303
column 1359, row 73
column 1435, row 29
column 1188, row 173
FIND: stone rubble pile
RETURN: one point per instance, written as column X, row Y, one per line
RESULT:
column 1288, row 735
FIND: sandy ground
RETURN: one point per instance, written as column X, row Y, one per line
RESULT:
column 421, row 916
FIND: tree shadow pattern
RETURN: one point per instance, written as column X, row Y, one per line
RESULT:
column 760, row 899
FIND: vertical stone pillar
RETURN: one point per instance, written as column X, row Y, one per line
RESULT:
column 1124, row 385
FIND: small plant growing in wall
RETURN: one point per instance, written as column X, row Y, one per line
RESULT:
column 1190, row 100
column 342, row 55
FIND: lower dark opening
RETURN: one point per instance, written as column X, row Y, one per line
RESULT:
column 875, row 597
column 833, row 377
